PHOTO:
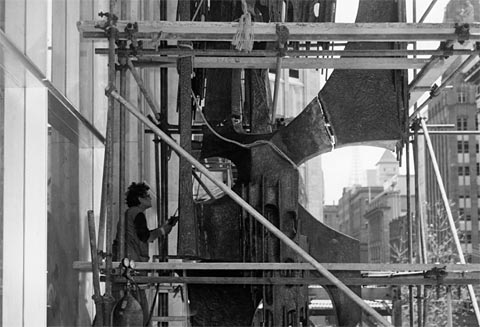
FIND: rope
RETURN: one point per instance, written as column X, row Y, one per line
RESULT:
column 243, row 39
column 245, row 146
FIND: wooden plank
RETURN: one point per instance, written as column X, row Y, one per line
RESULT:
column 291, row 63
column 225, row 31
column 187, row 226
column 456, row 279
column 391, row 267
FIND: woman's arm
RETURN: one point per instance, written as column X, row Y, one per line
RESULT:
column 163, row 230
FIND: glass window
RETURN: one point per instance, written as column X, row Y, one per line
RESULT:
column 295, row 73
column 461, row 123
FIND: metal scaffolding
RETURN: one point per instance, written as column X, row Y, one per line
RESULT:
column 159, row 31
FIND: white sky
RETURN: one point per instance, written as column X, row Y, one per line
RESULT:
column 338, row 165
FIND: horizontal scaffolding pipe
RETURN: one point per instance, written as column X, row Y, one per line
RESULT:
column 263, row 32
column 441, row 125
column 288, row 63
column 451, row 133
column 384, row 267
column 254, row 213
column 146, row 53
column 457, row 279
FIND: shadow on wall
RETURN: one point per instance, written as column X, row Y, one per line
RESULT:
column 63, row 231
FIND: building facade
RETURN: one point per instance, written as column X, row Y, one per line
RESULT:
column 352, row 207
column 330, row 216
column 458, row 159
column 388, row 206
column 365, row 212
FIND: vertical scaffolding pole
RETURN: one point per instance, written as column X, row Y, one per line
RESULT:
column 187, row 246
column 122, row 160
column 410, row 231
column 187, row 227
column 409, row 213
column 422, row 246
column 163, row 145
column 163, row 299
column 103, row 200
column 449, row 307
column 108, row 297
column 122, row 130
column 97, row 297
column 451, row 222
column 422, row 249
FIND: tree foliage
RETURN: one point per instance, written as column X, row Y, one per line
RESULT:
column 440, row 249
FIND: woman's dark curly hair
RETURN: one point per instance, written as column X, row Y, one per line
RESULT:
column 135, row 191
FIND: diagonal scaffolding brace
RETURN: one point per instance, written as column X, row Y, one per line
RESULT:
column 240, row 201
column 451, row 222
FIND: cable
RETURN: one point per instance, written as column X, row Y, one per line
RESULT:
column 157, row 287
column 245, row 146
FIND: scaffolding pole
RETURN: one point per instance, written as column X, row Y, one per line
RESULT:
column 163, row 165
column 272, row 228
column 122, row 160
column 97, row 296
column 143, row 88
column 427, row 11
column 409, row 233
column 419, row 218
column 451, row 222
column 108, row 298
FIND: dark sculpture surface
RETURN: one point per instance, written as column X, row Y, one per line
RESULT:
column 366, row 106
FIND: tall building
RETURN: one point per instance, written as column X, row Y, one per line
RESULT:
column 355, row 201
column 365, row 212
column 352, row 207
column 458, row 158
column 387, row 167
column 388, row 206
column 330, row 216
